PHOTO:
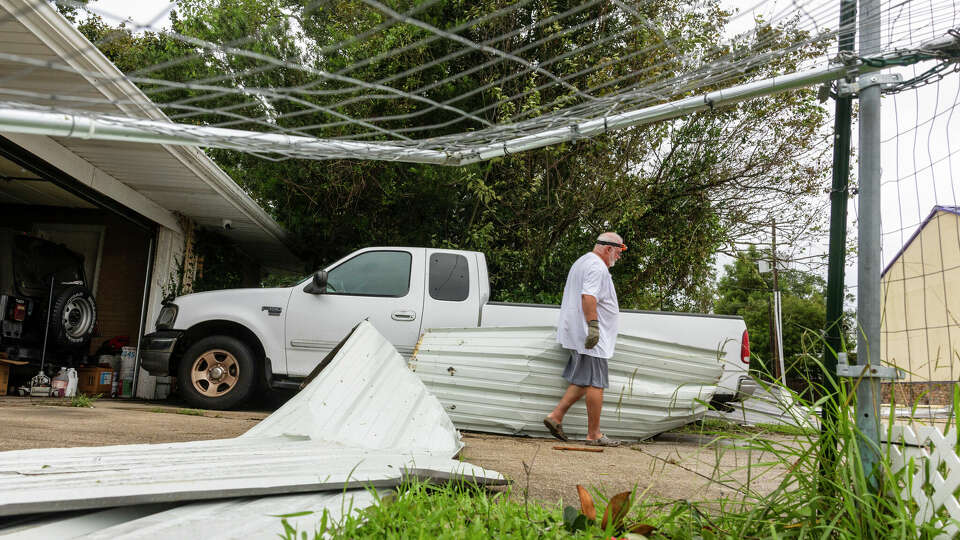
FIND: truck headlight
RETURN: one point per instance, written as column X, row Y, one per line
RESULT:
column 168, row 315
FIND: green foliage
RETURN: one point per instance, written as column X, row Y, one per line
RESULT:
column 71, row 8
column 676, row 191
column 83, row 400
column 744, row 291
column 274, row 279
column 221, row 263
column 456, row 510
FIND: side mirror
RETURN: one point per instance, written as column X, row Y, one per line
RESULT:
column 319, row 283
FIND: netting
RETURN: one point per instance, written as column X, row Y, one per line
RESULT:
column 921, row 238
column 412, row 81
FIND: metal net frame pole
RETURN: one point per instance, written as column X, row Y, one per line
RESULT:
column 868, row 258
column 15, row 119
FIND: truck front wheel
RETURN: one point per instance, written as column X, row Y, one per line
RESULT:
column 217, row 372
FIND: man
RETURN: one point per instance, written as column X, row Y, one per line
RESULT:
column 588, row 328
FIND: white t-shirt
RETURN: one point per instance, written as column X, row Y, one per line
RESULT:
column 589, row 275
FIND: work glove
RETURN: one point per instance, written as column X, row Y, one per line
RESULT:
column 593, row 334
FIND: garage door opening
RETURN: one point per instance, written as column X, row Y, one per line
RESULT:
column 56, row 231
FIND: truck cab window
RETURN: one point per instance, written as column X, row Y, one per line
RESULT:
column 449, row 277
column 374, row 273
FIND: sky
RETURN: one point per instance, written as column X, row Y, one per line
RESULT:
column 142, row 12
column 920, row 166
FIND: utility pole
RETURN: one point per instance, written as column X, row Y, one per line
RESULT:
column 777, row 336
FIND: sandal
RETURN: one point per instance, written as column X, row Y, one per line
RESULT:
column 555, row 429
column 603, row 441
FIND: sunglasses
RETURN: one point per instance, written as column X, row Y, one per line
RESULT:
column 623, row 247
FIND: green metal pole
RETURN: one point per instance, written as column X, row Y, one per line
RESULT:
column 838, row 240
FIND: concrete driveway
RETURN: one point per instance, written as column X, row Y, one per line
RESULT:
column 668, row 467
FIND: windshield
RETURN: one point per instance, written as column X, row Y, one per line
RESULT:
column 35, row 260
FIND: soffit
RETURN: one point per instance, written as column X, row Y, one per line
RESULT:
column 38, row 43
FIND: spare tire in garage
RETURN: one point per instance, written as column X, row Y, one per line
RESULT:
column 73, row 316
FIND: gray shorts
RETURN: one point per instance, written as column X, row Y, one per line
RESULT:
column 586, row 370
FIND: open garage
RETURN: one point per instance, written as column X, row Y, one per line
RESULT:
column 113, row 218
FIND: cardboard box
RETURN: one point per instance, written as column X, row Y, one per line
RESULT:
column 5, row 372
column 94, row 380
column 4, row 378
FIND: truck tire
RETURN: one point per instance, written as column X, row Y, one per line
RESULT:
column 73, row 316
column 217, row 372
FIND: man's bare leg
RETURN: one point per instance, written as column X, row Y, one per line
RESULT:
column 594, row 406
column 571, row 396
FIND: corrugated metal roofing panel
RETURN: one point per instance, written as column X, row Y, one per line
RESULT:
column 240, row 518
column 506, row 380
column 770, row 406
column 74, row 479
column 73, row 524
column 366, row 397
column 364, row 421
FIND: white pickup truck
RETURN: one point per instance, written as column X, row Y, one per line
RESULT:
column 226, row 345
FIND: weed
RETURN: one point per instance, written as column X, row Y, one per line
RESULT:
column 190, row 412
column 83, row 400
column 460, row 509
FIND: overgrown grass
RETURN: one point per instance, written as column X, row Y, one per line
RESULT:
column 455, row 510
column 822, row 488
column 821, row 491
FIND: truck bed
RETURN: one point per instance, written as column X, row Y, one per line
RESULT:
column 721, row 333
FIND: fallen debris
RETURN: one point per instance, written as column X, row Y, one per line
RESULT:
column 578, row 449
column 364, row 422
column 770, row 405
column 505, row 380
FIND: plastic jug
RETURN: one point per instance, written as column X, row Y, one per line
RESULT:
column 58, row 386
column 72, row 383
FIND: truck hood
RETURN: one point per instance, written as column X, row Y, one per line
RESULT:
column 227, row 304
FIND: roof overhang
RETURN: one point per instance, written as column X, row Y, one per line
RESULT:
column 933, row 212
column 156, row 181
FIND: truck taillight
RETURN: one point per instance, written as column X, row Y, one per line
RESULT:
column 745, row 348
column 20, row 311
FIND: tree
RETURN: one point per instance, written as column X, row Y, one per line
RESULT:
column 678, row 191
column 744, row 291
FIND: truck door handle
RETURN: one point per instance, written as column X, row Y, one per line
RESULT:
column 403, row 315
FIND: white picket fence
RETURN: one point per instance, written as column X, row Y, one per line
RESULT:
column 932, row 480
column 933, row 472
